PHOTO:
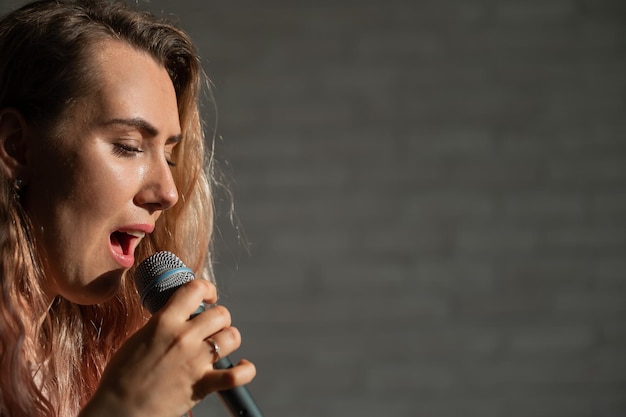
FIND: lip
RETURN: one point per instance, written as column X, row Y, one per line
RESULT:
column 124, row 240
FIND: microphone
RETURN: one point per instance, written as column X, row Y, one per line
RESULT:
column 156, row 279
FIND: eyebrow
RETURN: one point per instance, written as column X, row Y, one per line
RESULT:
column 142, row 124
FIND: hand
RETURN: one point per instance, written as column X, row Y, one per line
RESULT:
column 166, row 367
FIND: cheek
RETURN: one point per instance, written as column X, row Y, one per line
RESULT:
column 52, row 170
column 100, row 190
column 76, row 192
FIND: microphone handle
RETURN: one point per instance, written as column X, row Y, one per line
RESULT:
column 238, row 400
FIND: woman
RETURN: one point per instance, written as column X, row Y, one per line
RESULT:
column 102, row 163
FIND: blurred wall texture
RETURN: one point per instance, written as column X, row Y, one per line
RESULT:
column 434, row 199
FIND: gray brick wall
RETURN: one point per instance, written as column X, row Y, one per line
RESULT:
column 434, row 196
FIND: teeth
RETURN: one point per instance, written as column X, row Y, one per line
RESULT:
column 136, row 233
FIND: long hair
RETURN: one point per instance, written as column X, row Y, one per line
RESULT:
column 52, row 356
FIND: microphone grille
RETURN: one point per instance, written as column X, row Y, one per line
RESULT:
column 158, row 276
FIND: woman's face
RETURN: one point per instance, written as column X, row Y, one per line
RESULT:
column 96, row 190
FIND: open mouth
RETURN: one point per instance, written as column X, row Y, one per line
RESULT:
column 122, row 242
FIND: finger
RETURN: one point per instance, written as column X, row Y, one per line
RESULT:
column 222, row 379
column 186, row 299
column 210, row 321
column 223, row 343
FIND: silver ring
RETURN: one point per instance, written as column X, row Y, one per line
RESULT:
column 215, row 349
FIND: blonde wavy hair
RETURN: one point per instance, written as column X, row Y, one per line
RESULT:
column 52, row 355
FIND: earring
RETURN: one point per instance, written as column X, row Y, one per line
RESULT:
column 18, row 183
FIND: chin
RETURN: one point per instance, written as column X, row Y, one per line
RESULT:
column 99, row 290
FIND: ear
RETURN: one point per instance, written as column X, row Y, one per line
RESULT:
column 13, row 144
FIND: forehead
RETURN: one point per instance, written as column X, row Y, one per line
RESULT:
column 129, row 83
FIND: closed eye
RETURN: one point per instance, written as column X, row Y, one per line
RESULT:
column 125, row 151
column 169, row 150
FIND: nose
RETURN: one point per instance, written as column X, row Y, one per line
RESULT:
column 158, row 191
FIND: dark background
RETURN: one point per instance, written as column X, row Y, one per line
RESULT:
column 434, row 199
